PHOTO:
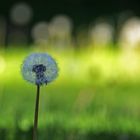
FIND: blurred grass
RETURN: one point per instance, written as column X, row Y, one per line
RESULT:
column 96, row 91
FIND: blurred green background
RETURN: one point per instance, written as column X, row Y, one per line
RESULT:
column 95, row 96
column 97, row 47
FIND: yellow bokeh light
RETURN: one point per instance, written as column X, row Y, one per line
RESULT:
column 2, row 64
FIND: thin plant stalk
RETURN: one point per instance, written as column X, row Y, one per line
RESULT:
column 36, row 114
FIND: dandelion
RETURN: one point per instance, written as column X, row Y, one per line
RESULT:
column 39, row 69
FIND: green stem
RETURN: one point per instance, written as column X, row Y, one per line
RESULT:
column 36, row 114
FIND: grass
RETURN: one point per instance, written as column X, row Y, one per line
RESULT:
column 97, row 92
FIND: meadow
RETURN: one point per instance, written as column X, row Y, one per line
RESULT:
column 96, row 96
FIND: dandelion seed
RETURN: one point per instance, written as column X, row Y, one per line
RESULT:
column 39, row 69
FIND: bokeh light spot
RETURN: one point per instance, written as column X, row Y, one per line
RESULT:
column 21, row 14
column 40, row 32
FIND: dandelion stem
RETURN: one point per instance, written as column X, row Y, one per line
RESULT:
column 36, row 114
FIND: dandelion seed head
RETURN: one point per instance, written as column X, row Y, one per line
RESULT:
column 39, row 69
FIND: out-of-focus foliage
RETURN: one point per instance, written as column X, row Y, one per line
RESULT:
column 95, row 96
